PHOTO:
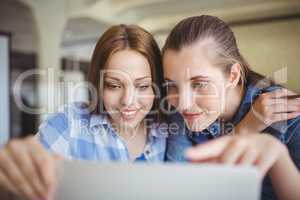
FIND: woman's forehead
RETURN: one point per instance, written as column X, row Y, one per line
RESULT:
column 121, row 75
column 127, row 63
column 188, row 67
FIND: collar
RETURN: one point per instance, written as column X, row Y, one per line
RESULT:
column 101, row 120
column 216, row 129
column 98, row 120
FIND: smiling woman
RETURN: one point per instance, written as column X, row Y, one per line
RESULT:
column 210, row 84
column 123, row 82
column 125, row 65
column 126, row 74
column 126, row 37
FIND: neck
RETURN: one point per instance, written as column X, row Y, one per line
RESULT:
column 233, row 100
column 128, row 132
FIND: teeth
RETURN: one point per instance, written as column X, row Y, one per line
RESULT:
column 129, row 113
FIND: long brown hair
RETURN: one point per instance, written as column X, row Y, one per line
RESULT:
column 121, row 37
column 200, row 28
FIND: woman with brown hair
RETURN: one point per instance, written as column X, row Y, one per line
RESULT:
column 121, row 122
column 212, row 88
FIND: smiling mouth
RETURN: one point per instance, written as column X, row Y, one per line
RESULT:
column 191, row 116
column 128, row 114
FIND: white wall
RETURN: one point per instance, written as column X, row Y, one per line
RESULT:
column 4, row 89
column 271, row 46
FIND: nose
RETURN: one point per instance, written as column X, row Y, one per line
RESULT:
column 185, row 99
column 128, row 96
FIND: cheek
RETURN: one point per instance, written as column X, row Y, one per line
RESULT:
column 146, row 100
column 110, row 99
column 212, row 102
column 209, row 104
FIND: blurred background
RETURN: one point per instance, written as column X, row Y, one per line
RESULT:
column 47, row 43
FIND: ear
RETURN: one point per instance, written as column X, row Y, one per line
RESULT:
column 235, row 75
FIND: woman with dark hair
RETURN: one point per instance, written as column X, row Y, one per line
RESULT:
column 212, row 88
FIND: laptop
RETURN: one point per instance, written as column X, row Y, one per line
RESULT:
column 114, row 181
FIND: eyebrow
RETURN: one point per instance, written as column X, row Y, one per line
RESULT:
column 145, row 77
column 110, row 77
column 192, row 79
column 199, row 77
column 138, row 79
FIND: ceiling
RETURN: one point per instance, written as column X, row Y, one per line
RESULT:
column 159, row 16
column 87, row 19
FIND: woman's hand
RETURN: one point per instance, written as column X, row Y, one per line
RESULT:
column 260, row 150
column 27, row 169
column 269, row 108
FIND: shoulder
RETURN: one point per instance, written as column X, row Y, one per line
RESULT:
column 67, row 114
column 293, row 130
column 255, row 89
column 63, row 131
column 59, row 126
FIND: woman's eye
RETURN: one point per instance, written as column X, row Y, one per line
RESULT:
column 112, row 86
column 143, row 87
column 200, row 85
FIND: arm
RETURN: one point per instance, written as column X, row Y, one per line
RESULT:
column 285, row 174
column 27, row 169
column 285, row 178
column 260, row 150
column 267, row 109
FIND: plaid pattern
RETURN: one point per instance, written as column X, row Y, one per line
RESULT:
column 74, row 133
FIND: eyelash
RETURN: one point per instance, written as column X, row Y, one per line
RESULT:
column 116, row 86
column 143, row 87
column 195, row 85
column 112, row 86
column 199, row 85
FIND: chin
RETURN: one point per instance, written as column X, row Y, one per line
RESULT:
column 131, row 123
column 199, row 125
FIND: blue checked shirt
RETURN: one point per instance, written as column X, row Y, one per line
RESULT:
column 75, row 133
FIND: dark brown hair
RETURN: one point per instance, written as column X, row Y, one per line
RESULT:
column 203, row 28
column 121, row 37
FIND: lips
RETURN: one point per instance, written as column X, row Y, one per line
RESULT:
column 128, row 113
column 191, row 115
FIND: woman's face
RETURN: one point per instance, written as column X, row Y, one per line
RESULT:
column 127, row 94
column 194, row 86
